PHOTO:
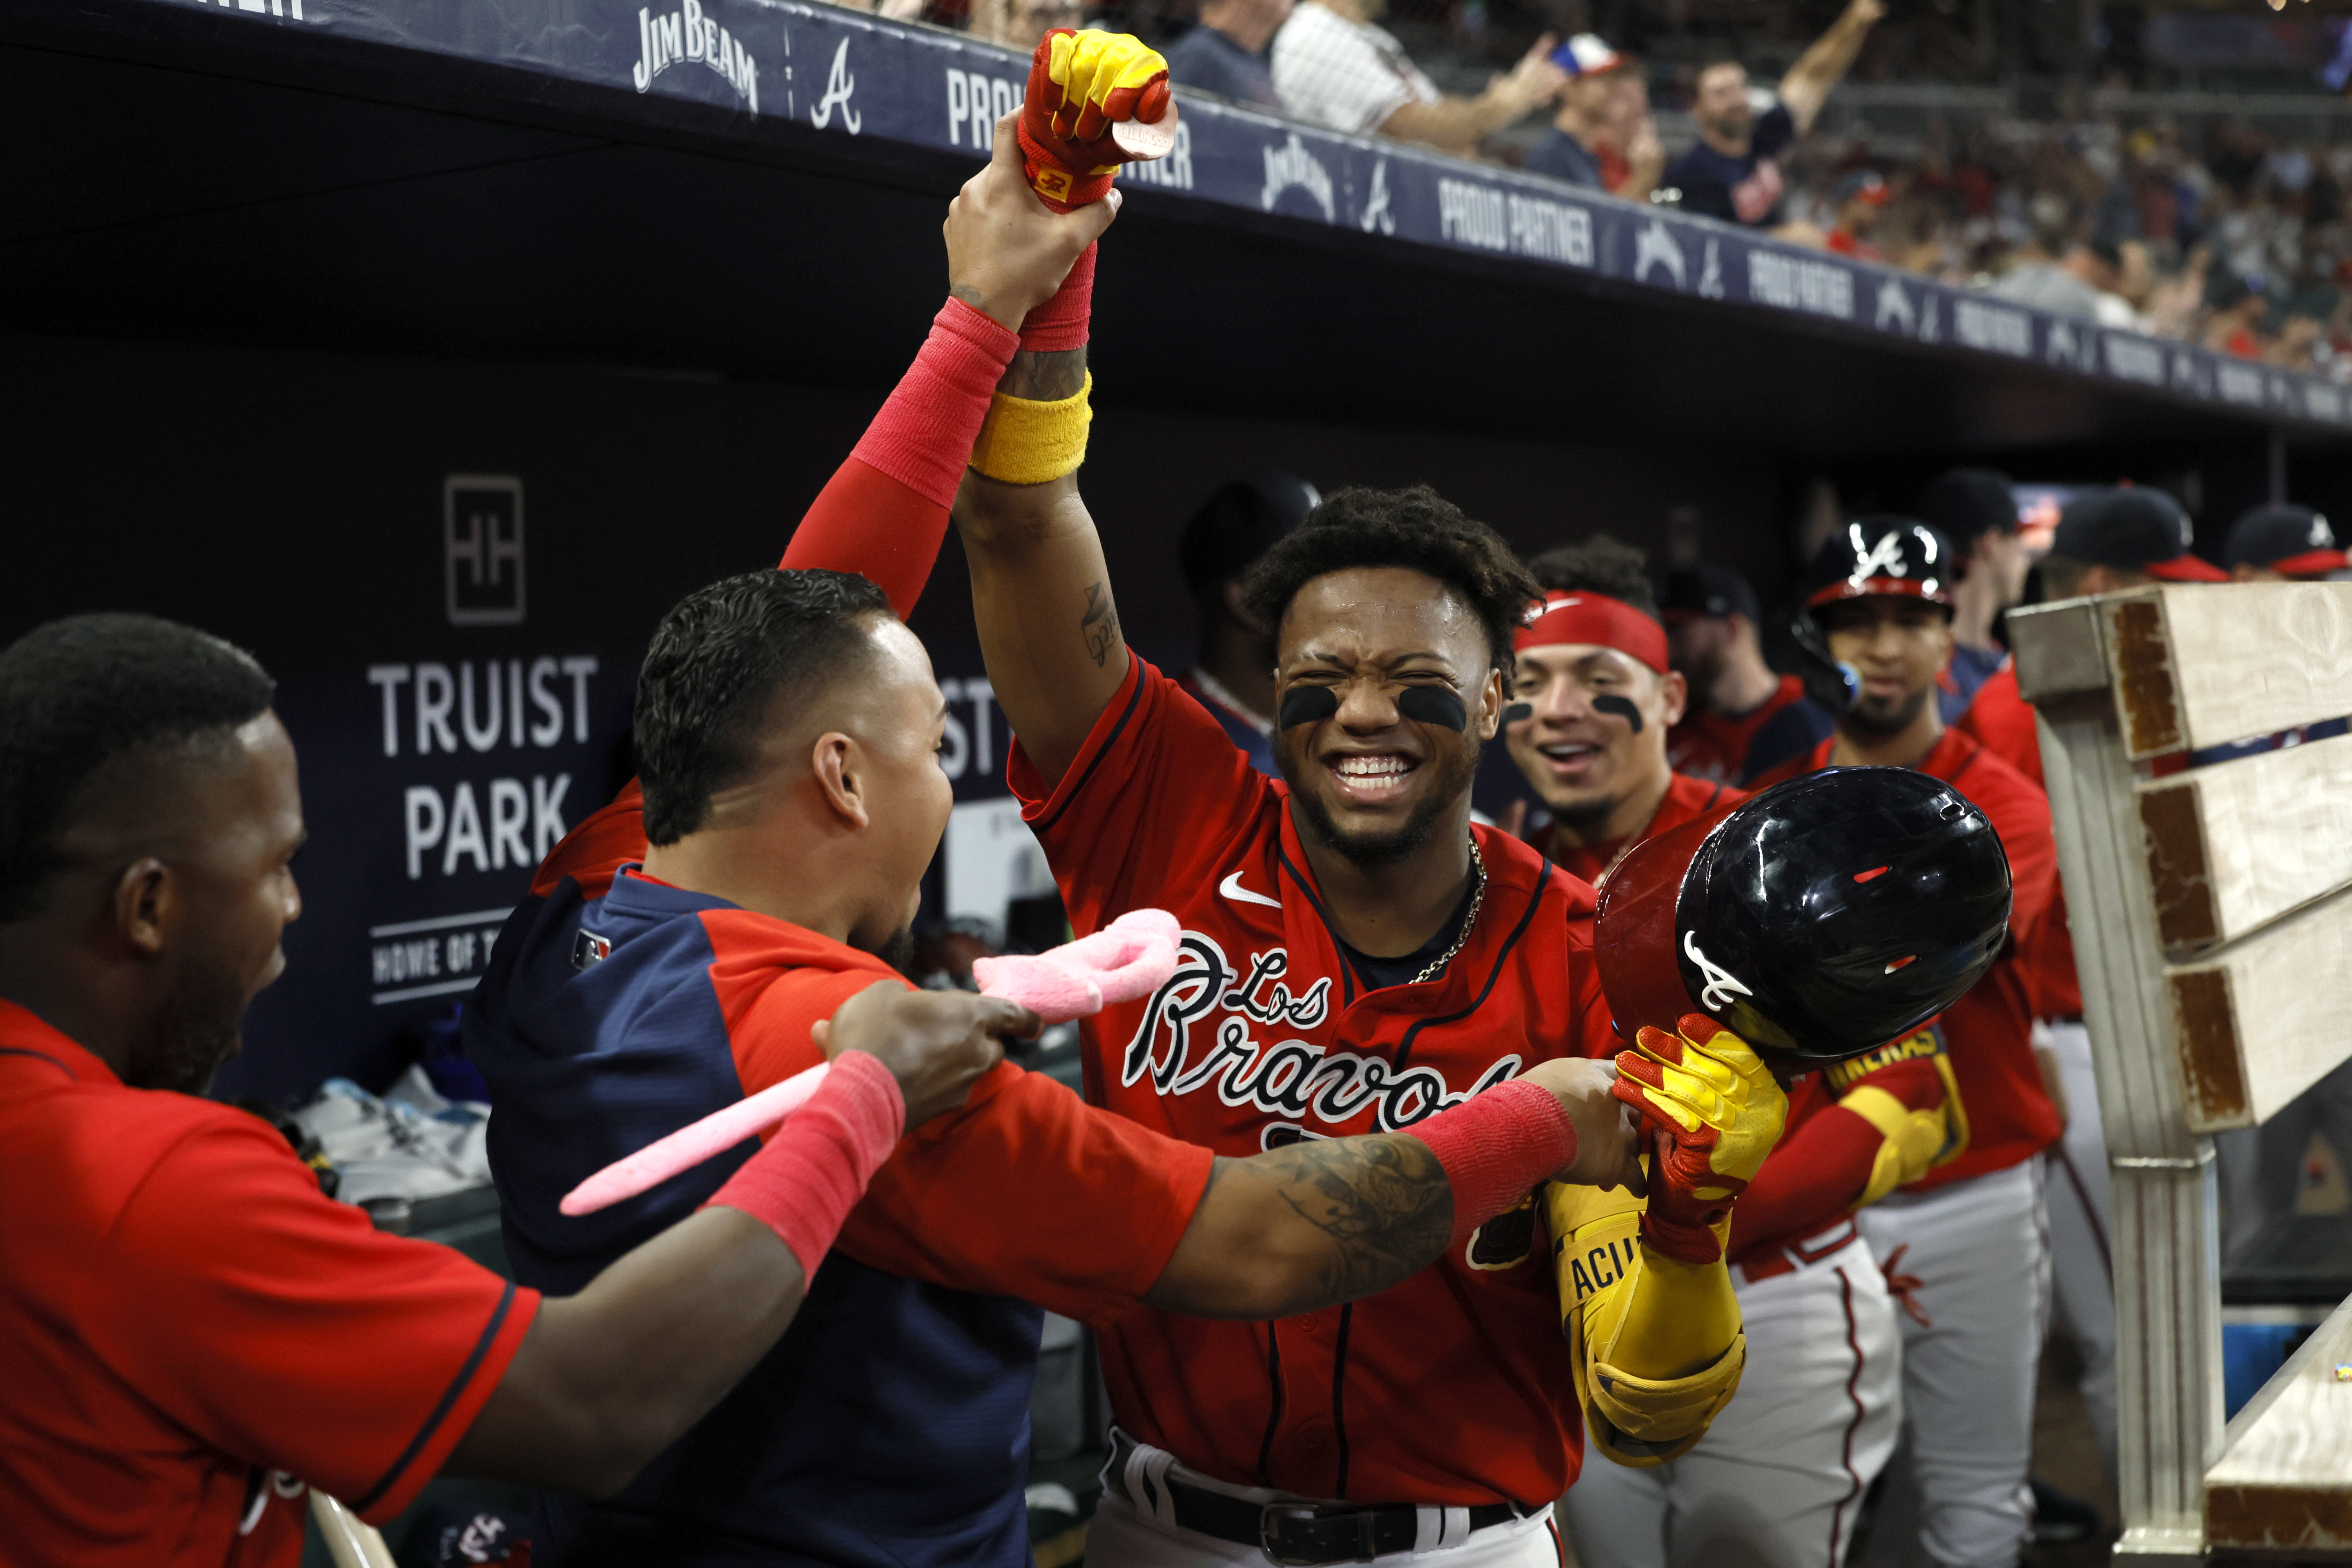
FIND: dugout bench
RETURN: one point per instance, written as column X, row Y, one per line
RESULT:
column 2213, row 923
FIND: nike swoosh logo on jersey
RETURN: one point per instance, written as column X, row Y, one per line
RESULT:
column 1232, row 887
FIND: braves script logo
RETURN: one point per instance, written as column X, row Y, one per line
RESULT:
column 1721, row 987
column 1232, row 1008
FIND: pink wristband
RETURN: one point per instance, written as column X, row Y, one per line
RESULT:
column 1059, row 324
column 814, row 1171
column 1495, row 1147
column 923, row 436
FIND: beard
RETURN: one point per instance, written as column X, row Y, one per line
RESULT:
column 1582, row 816
column 1876, row 717
column 897, row 951
column 1456, row 768
column 199, row 1025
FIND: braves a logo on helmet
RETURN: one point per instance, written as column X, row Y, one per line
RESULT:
column 1721, row 984
column 2322, row 536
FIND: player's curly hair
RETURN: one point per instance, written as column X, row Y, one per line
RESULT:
column 1599, row 565
column 716, row 665
column 80, row 692
column 1415, row 528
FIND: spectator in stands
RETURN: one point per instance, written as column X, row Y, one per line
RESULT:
column 1732, row 173
column 1591, row 109
column 1232, row 672
column 1019, row 24
column 1742, row 718
column 2282, row 543
column 2076, row 284
column 1225, row 51
column 1860, row 197
column 1976, row 508
column 2236, row 309
column 1631, row 157
column 1333, row 67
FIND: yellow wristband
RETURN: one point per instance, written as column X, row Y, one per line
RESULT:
column 1026, row 442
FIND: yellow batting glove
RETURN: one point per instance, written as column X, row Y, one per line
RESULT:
column 1716, row 1113
column 1087, row 93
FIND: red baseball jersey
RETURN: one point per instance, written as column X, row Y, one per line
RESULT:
column 190, row 1331
column 2002, row 720
column 957, row 1203
column 1724, row 747
column 1453, row 1387
column 1989, row 1033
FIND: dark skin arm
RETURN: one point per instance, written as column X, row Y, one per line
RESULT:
column 610, row 1377
column 1329, row 1220
column 1049, row 627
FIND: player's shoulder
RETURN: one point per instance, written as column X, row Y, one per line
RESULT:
column 88, row 1150
column 1522, row 878
column 1991, row 781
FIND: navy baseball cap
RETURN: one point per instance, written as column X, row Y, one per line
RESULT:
column 2292, row 540
column 1239, row 523
column 2143, row 529
column 1697, row 592
column 1881, row 557
column 1961, row 503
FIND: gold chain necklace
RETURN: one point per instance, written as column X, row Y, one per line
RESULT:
column 1477, row 897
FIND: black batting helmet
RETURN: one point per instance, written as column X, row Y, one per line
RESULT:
column 1817, row 921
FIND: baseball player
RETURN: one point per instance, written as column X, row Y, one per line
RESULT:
column 1965, row 1241
column 679, row 942
column 1779, row 1476
column 1356, row 957
column 191, row 1333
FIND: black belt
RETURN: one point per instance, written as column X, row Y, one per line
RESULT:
column 1293, row 1533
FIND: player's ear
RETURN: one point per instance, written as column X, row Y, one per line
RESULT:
column 1491, row 698
column 146, row 897
column 1673, row 699
column 837, row 763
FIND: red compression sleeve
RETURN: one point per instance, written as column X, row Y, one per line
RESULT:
column 1495, row 1147
column 1059, row 324
column 1821, row 1168
column 815, row 1168
column 884, row 511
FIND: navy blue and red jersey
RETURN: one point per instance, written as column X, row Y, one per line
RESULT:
column 890, row 1426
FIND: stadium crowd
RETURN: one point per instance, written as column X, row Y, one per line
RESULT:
column 2217, row 233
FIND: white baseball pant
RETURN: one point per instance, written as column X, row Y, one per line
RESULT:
column 1980, row 1251
column 2082, row 1268
column 1778, row 1477
column 1125, row 1536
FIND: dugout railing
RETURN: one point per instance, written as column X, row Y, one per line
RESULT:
column 2211, row 910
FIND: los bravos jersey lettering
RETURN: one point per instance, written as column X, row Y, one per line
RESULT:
column 1453, row 1387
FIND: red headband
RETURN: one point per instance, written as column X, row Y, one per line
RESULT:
column 1596, row 620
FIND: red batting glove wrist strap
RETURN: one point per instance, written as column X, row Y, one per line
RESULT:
column 1496, row 1147
column 923, row 436
column 1059, row 324
column 1058, row 185
column 816, row 1166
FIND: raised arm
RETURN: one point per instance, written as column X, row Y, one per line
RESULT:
column 1807, row 86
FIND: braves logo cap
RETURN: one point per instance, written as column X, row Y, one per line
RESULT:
column 1882, row 556
column 2293, row 539
column 2143, row 529
column 1962, row 503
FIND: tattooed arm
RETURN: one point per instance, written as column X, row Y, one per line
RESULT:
column 1308, row 1227
column 1049, row 627
column 1329, row 1220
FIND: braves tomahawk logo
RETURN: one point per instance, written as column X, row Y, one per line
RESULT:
column 1239, row 1011
column 1721, row 984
